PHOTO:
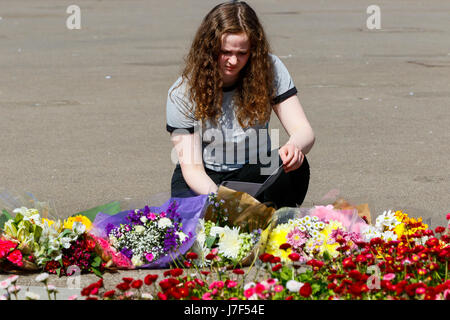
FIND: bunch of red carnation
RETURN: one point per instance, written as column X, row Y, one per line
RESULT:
column 81, row 254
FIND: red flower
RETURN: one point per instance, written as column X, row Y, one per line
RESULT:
column 354, row 274
column 149, row 279
column 15, row 257
column 238, row 271
column 199, row 282
column 6, row 247
column 277, row 267
column 265, row 257
column 205, row 273
column 210, row 256
column 275, row 259
column 285, row 246
column 187, row 264
column 124, row 286
column 109, row 294
column 94, row 291
column 439, row 229
column 167, row 273
column 162, row 296
column 432, row 242
column 348, row 263
column 128, row 280
column 294, row 256
column 306, row 290
column 137, row 284
column 289, row 298
column 176, row 272
column 191, row 256
column 184, row 292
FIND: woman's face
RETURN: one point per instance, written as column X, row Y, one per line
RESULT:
column 234, row 54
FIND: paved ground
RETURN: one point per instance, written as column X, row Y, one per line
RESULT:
column 82, row 112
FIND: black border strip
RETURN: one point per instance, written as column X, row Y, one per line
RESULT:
column 172, row 129
column 284, row 96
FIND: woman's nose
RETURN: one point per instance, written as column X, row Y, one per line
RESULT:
column 233, row 60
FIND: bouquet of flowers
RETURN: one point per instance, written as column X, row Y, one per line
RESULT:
column 309, row 236
column 148, row 236
column 52, row 245
column 222, row 242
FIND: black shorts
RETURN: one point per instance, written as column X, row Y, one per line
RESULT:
column 289, row 190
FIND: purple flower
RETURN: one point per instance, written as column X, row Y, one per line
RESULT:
column 109, row 228
column 127, row 252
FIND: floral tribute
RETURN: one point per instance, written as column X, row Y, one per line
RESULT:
column 148, row 236
column 228, row 244
column 399, row 269
column 41, row 243
column 311, row 237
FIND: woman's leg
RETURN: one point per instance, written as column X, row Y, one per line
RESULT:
column 290, row 189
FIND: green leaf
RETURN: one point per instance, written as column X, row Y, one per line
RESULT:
column 4, row 217
column 97, row 262
column 58, row 272
column 97, row 272
column 209, row 241
column 18, row 218
column 37, row 230
column 109, row 208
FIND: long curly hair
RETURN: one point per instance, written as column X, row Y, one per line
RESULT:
column 254, row 91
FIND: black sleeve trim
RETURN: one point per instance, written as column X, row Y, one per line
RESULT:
column 172, row 129
column 284, row 96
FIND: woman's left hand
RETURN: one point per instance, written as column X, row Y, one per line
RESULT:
column 291, row 156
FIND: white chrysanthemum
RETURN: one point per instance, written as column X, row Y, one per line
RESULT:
column 388, row 236
column 230, row 242
column 302, row 228
column 306, row 219
column 320, row 225
column 370, row 232
column 315, row 219
column 164, row 223
column 139, row 229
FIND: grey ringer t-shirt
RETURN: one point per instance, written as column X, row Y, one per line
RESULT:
column 227, row 146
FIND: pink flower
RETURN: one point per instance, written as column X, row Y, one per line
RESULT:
column 231, row 284
column 296, row 238
column 163, row 215
column 151, row 216
column 389, row 276
column 420, row 290
column 448, row 216
column 249, row 292
column 207, row 296
column 15, row 257
column 278, row 288
column 149, row 257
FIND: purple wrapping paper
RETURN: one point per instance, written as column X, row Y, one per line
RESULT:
column 190, row 210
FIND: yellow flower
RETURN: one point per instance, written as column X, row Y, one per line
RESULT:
column 68, row 223
column 49, row 222
column 277, row 237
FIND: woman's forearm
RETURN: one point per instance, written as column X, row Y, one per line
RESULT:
column 197, row 179
column 303, row 138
